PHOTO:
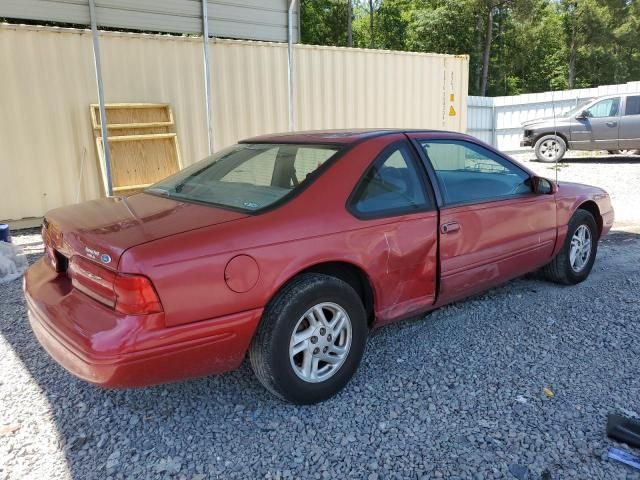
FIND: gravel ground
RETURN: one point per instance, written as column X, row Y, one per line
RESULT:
column 459, row 394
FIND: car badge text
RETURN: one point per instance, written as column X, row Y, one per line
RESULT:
column 95, row 255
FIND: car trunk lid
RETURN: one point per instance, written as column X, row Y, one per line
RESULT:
column 102, row 230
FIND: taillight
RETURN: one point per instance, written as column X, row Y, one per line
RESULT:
column 135, row 295
column 128, row 294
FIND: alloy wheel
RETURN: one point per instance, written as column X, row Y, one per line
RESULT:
column 320, row 342
column 550, row 149
column 580, row 250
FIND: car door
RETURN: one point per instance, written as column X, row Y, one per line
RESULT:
column 597, row 128
column 492, row 226
column 399, row 219
column 630, row 123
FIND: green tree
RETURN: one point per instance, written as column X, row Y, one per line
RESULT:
column 627, row 37
column 391, row 26
column 528, row 51
column 587, row 29
column 324, row 22
column 514, row 46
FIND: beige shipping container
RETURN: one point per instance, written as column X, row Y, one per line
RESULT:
column 47, row 82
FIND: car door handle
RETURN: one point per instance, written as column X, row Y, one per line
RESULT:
column 449, row 227
column 612, row 124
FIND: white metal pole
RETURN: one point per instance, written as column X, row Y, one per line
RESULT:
column 103, row 113
column 290, row 63
column 207, row 72
column 494, row 123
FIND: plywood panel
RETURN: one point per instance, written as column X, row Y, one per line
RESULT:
column 131, row 114
column 140, row 160
column 143, row 151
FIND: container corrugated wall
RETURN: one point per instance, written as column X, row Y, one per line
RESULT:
column 48, row 82
column 343, row 88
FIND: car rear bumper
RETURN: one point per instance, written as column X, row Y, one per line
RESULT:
column 104, row 347
column 526, row 142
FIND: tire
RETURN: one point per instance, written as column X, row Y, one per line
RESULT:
column 626, row 153
column 550, row 148
column 270, row 353
column 561, row 270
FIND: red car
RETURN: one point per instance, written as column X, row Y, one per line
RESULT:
column 290, row 248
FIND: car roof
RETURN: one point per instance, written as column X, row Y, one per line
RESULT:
column 331, row 136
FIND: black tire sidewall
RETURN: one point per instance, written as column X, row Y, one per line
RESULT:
column 319, row 289
column 581, row 217
column 561, row 142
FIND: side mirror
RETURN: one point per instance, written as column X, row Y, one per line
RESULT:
column 544, row 186
column 584, row 114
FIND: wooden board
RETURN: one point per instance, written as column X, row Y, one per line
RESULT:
column 142, row 147
column 138, row 161
column 139, row 114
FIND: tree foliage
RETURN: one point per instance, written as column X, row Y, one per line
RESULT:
column 531, row 45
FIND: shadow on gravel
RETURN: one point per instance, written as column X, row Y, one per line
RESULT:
column 459, row 394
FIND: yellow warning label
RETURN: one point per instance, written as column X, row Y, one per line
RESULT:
column 452, row 97
column 452, row 111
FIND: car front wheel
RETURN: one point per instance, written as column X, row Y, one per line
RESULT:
column 550, row 148
column 310, row 340
column 574, row 261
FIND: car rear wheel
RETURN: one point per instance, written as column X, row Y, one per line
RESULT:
column 550, row 148
column 310, row 340
column 575, row 260
column 626, row 153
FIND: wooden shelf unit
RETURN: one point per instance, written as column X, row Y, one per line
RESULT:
column 142, row 142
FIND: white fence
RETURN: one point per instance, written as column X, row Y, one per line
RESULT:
column 498, row 120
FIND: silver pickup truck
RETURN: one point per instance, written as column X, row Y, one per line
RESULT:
column 609, row 123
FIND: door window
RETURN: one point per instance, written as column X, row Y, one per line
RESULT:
column 393, row 185
column 469, row 173
column 633, row 106
column 609, row 107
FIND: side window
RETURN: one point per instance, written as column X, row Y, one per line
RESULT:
column 633, row 106
column 391, row 186
column 469, row 173
column 609, row 107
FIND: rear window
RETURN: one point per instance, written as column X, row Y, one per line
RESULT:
column 246, row 176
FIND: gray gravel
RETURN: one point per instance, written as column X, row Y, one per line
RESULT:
column 458, row 394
